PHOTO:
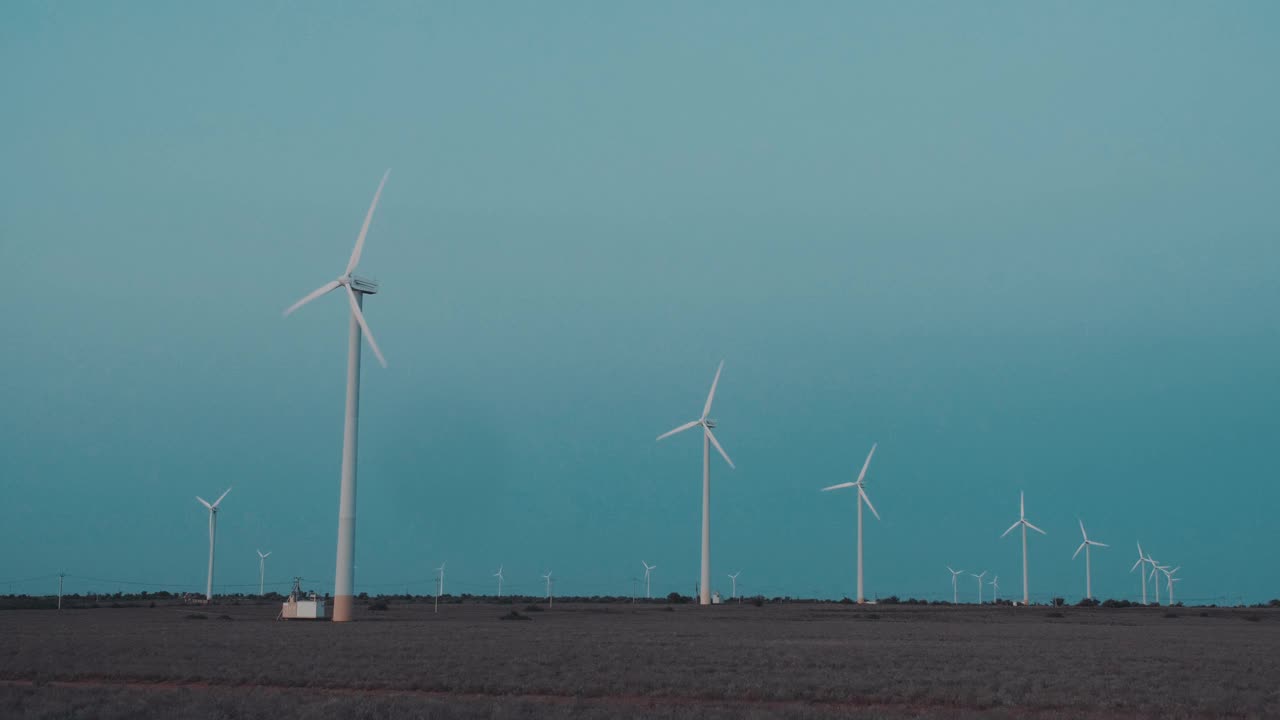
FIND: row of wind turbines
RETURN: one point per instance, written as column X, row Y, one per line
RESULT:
column 357, row 288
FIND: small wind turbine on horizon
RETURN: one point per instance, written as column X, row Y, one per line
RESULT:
column 862, row 498
column 1155, row 568
column 213, row 532
column 356, row 288
column 499, row 576
column 1022, row 520
column 1142, row 572
column 550, row 598
column 704, row 587
column 955, row 593
column 439, row 586
column 995, row 589
column 647, row 569
column 979, row 577
column 1168, row 574
column 1085, row 546
column 262, row 569
column 734, row 578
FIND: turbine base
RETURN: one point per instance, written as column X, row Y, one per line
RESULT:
column 342, row 605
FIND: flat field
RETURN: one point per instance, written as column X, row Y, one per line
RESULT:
column 606, row 661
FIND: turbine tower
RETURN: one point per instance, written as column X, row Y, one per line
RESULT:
column 979, row 577
column 995, row 589
column 499, row 576
column 262, row 569
column 1168, row 574
column 213, row 532
column 862, row 498
column 1155, row 568
column 1022, row 520
column 734, row 578
column 356, row 288
column 1088, row 572
column 1142, row 574
column 955, row 593
column 647, row 569
column 550, row 598
column 439, row 586
column 704, row 587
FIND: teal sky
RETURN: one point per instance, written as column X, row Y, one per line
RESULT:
column 1023, row 246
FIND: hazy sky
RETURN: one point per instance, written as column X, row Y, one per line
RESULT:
column 1023, row 246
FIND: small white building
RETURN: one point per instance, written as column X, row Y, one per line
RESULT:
column 298, row 607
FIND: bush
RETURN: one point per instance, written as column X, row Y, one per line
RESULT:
column 891, row 600
column 1087, row 602
column 677, row 598
column 1059, row 602
column 845, row 601
column 757, row 601
column 378, row 606
column 1275, row 602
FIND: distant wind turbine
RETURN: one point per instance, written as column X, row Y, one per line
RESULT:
column 213, row 532
column 979, row 577
column 356, row 288
column 1088, row 572
column 262, row 569
column 1168, row 574
column 1155, row 569
column 995, row 589
column 734, row 578
column 439, row 586
column 704, row 588
column 1022, row 520
column 862, row 498
column 955, row 593
column 647, row 569
column 499, row 576
column 1142, row 572
column 550, row 598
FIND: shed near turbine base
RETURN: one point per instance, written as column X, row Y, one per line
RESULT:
column 299, row 607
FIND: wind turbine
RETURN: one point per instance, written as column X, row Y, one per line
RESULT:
column 499, row 576
column 439, row 586
column 1168, row 574
column 995, row 589
column 1022, row 520
column 356, row 288
column 955, row 593
column 734, row 578
column 1085, row 546
column 862, row 498
column 1142, row 574
column 213, row 532
column 704, row 587
column 647, row 569
column 550, row 598
column 1155, row 567
column 262, row 569
column 984, row 572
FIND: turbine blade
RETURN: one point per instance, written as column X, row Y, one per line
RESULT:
column 706, row 409
column 312, row 296
column 863, row 494
column 1022, row 504
column 841, row 485
column 368, row 334
column 723, row 454
column 364, row 229
column 1011, row 527
column 1098, row 544
column 680, row 429
column 267, row 555
column 1033, row 527
column 1082, row 532
column 219, row 500
column 867, row 462
column 1077, row 552
column 204, row 502
column 1135, row 565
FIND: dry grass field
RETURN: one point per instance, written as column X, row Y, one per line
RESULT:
column 606, row 661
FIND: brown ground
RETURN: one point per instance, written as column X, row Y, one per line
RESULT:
column 588, row 661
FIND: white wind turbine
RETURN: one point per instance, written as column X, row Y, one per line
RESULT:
column 550, row 598
column 995, row 589
column 1022, row 520
column 499, row 576
column 704, row 587
column 1170, row 580
column 1085, row 546
column 979, row 577
column 647, row 569
column 1142, row 574
column 1155, row 568
column 862, row 498
column 439, row 586
column 356, row 288
column 734, row 578
column 955, row 593
column 262, row 569
column 213, row 532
